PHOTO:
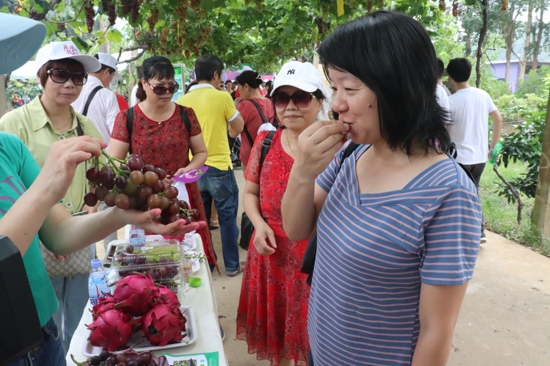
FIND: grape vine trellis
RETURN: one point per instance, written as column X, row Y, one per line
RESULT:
column 240, row 31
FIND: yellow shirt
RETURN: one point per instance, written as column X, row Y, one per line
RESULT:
column 214, row 109
column 32, row 125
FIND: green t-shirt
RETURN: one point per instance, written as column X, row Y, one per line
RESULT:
column 18, row 170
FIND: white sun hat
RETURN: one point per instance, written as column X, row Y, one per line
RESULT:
column 61, row 50
column 301, row 75
column 110, row 61
column 20, row 38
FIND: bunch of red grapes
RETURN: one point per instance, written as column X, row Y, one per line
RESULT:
column 137, row 186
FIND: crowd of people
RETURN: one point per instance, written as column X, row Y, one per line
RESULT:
column 393, row 220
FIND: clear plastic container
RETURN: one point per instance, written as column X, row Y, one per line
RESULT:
column 161, row 260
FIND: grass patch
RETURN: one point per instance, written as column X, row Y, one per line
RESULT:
column 501, row 216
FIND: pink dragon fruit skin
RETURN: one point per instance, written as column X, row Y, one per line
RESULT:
column 105, row 303
column 135, row 294
column 111, row 330
column 163, row 324
column 167, row 297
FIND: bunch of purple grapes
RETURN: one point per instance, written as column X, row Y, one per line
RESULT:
column 137, row 186
column 90, row 15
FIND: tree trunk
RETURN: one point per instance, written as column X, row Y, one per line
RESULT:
column 536, row 50
column 528, row 26
column 468, row 46
column 540, row 216
column 509, row 45
column 480, row 42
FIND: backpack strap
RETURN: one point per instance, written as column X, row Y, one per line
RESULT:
column 348, row 151
column 130, row 123
column 186, row 120
column 89, row 100
column 130, row 126
column 250, row 140
column 264, row 120
column 79, row 130
column 265, row 147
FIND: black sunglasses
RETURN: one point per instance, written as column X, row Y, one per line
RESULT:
column 301, row 99
column 161, row 89
column 61, row 76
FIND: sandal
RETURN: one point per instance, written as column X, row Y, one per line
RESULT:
column 239, row 271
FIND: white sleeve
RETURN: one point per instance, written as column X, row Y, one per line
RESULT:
column 490, row 104
column 442, row 98
column 112, row 111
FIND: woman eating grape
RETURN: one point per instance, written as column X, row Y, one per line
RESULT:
column 31, row 203
column 158, row 133
column 398, row 221
column 272, row 313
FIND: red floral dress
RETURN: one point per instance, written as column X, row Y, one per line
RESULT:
column 272, row 313
column 166, row 145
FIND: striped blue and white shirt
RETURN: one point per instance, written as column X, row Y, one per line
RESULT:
column 375, row 250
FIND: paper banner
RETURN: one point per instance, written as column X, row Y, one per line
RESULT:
column 340, row 6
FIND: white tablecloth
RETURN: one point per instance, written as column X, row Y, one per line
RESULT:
column 203, row 302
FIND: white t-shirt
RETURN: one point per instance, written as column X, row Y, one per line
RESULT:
column 103, row 108
column 133, row 98
column 469, row 128
column 442, row 98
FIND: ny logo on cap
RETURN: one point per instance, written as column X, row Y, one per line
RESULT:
column 71, row 50
column 291, row 72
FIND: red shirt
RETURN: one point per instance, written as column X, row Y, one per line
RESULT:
column 164, row 144
column 253, row 121
column 122, row 103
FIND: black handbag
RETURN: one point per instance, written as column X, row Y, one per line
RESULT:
column 311, row 251
column 246, row 225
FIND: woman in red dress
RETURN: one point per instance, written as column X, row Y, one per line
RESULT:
column 159, row 134
column 272, row 313
column 249, row 84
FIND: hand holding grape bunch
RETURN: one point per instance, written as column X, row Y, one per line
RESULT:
column 136, row 186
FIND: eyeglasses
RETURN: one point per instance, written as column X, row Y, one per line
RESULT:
column 61, row 76
column 161, row 89
column 301, row 99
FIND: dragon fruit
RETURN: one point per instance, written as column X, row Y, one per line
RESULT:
column 105, row 303
column 167, row 297
column 135, row 294
column 111, row 330
column 163, row 324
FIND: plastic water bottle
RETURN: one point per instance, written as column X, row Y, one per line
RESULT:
column 496, row 152
column 97, row 283
column 137, row 236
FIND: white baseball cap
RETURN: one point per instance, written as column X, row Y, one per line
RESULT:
column 20, row 38
column 301, row 75
column 110, row 61
column 61, row 50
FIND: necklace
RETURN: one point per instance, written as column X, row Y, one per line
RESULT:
column 288, row 142
column 69, row 122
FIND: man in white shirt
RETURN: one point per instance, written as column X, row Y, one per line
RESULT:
column 441, row 91
column 100, row 104
column 469, row 129
column 96, row 101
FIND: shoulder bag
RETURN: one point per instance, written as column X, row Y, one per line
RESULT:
column 78, row 263
column 311, row 251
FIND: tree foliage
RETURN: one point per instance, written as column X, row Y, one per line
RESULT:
column 260, row 32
